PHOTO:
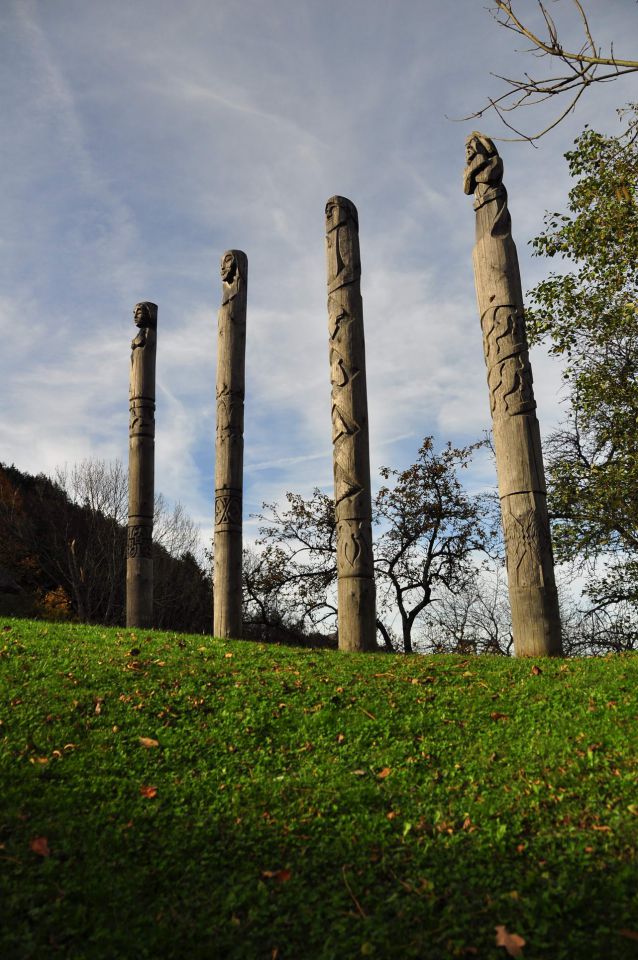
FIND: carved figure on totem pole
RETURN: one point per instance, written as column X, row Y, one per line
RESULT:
column 519, row 459
column 351, row 456
column 229, row 446
column 141, row 470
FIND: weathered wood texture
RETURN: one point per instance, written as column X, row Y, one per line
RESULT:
column 141, row 469
column 351, row 454
column 519, row 459
column 229, row 448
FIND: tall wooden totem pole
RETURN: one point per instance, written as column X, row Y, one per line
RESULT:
column 141, row 469
column 351, row 453
column 519, row 459
column 229, row 448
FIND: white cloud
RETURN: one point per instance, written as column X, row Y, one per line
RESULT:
column 144, row 139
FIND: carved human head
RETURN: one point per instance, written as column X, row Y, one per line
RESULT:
column 339, row 210
column 233, row 265
column 483, row 163
column 145, row 314
column 228, row 267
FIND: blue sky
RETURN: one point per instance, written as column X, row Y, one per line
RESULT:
column 141, row 140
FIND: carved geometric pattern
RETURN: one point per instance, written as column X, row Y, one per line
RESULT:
column 230, row 411
column 342, row 425
column 340, row 373
column 504, row 334
column 345, row 487
column 337, row 317
column 141, row 417
column 511, row 388
column 228, row 509
column 354, row 545
column 527, row 541
column 140, row 542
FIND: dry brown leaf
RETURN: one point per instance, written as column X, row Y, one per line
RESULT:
column 630, row 934
column 382, row 774
column 536, row 671
column 148, row 742
column 148, row 791
column 40, row 845
column 495, row 715
column 512, row 942
column 282, row 876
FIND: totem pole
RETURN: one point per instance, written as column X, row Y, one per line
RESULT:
column 141, row 469
column 351, row 455
column 519, row 459
column 229, row 449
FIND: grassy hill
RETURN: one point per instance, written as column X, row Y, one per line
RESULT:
column 166, row 795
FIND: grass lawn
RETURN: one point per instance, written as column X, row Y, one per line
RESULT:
column 166, row 795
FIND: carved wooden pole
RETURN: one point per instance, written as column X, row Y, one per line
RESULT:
column 519, row 459
column 229, row 451
column 351, row 453
column 141, row 469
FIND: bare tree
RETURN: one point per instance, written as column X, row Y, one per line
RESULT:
column 475, row 619
column 428, row 530
column 570, row 72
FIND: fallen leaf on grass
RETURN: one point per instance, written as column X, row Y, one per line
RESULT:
column 512, row 942
column 148, row 792
column 630, row 934
column 536, row 671
column 359, row 773
column 39, row 759
column 340, row 738
column 382, row 774
column 228, row 655
column 40, row 845
column 282, row 876
column 495, row 715
column 98, row 705
column 148, row 742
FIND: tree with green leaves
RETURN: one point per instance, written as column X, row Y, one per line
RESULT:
column 587, row 314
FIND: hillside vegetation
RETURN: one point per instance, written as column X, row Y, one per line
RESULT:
column 175, row 796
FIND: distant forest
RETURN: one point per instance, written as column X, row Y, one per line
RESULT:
column 63, row 551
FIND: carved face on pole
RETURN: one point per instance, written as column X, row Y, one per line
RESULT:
column 483, row 164
column 228, row 267
column 339, row 210
column 145, row 314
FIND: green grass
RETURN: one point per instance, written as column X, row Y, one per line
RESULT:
column 310, row 804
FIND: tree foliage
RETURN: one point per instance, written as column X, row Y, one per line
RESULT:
column 587, row 314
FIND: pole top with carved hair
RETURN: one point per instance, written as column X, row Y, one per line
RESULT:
column 145, row 314
column 484, row 167
column 233, row 263
column 339, row 210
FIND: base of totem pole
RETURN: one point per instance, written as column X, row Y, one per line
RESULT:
column 139, row 592
column 357, row 622
column 536, row 633
column 227, row 610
